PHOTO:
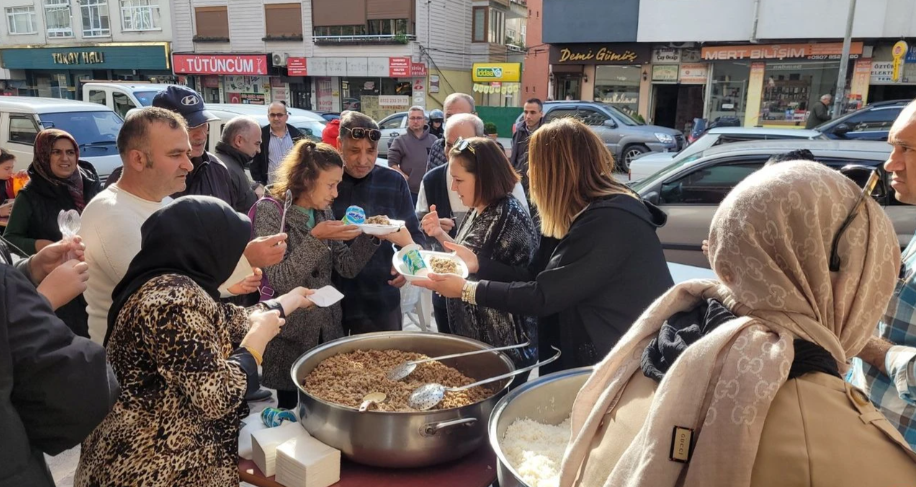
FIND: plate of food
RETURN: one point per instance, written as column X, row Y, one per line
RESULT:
column 380, row 225
column 414, row 263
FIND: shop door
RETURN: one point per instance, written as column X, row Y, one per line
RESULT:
column 568, row 87
column 689, row 105
column 890, row 92
column 300, row 96
column 665, row 105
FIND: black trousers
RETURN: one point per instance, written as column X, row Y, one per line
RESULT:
column 441, row 314
column 390, row 321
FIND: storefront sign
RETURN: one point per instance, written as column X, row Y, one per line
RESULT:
column 823, row 51
column 911, row 55
column 279, row 94
column 357, row 66
column 220, row 64
column 694, row 73
column 858, row 90
column 665, row 72
column 898, row 52
column 666, row 55
column 325, row 95
column 599, row 54
column 253, row 98
column 337, row 66
column 85, row 57
column 297, row 66
column 393, row 100
column 881, row 72
column 141, row 56
column 398, row 67
column 418, row 70
column 489, row 72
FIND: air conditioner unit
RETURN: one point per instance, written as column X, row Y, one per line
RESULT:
column 280, row 58
column 681, row 44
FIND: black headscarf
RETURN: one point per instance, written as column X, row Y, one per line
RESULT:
column 200, row 237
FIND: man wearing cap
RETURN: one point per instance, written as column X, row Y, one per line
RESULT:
column 210, row 177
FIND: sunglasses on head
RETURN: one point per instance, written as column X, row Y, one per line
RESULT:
column 361, row 133
column 464, row 145
column 852, row 171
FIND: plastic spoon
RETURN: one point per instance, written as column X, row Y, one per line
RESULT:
column 429, row 395
column 404, row 369
column 69, row 224
column 286, row 205
column 370, row 399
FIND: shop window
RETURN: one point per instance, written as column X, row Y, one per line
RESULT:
column 23, row 129
column 140, row 15
column 95, row 18
column 21, row 20
column 122, row 104
column 706, row 186
column 97, row 96
column 729, row 90
column 790, row 89
column 212, row 23
column 618, row 86
column 479, row 27
column 57, row 14
column 283, row 21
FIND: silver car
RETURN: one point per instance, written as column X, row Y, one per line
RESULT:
column 689, row 191
column 649, row 164
column 392, row 126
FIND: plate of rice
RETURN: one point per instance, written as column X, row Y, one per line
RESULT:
column 379, row 225
column 436, row 262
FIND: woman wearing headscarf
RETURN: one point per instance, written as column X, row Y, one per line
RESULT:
column 738, row 382
column 169, row 341
column 59, row 180
column 598, row 265
column 498, row 228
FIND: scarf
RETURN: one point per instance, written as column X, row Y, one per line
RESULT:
column 200, row 237
column 41, row 163
column 770, row 244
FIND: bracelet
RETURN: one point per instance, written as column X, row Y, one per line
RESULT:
column 255, row 354
column 469, row 293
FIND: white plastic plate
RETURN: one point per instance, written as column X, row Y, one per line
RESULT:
column 398, row 262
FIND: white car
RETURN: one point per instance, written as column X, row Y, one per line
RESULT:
column 95, row 128
column 255, row 110
column 650, row 163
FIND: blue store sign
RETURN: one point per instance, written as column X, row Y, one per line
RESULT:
column 911, row 55
column 144, row 56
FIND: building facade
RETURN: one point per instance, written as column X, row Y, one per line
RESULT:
column 763, row 62
column 48, row 47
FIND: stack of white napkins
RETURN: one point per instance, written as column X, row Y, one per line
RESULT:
column 304, row 461
column 264, row 444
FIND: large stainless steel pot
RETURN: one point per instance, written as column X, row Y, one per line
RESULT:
column 402, row 439
column 547, row 400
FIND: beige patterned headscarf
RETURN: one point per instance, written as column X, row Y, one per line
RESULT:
column 770, row 243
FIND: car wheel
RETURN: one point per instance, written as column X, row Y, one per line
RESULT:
column 630, row 153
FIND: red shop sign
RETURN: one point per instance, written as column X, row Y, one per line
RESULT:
column 296, row 66
column 247, row 65
column 398, row 67
column 417, row 70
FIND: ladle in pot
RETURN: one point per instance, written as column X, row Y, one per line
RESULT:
column 370, row 399
column 404, row 369
column 429, row 395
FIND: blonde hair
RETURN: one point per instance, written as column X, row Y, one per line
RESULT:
column 301, row 167
column 569, row 167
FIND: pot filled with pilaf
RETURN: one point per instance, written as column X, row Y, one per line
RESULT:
column 334, row 378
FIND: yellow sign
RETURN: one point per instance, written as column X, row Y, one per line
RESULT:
column 78, row 57
column 899, row 51
column 486, row 72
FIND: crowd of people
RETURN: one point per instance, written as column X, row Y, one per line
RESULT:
column 142, row 336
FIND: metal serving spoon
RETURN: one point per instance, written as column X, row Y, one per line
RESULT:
column 404, row 369
column 370, row 399
column 428, row 396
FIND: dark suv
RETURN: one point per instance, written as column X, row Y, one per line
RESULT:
column 872, row 122
column 626, row 138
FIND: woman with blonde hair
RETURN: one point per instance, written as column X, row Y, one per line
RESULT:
column 599, row 264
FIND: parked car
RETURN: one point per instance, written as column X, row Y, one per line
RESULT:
column 649, row 164
column 330, row 116
column 701, row 126
column 392, row 126
column 690, row 190
column 871, row 122
column 625, row 137
column 122, row 97
column 247, row 109
column 309, row 127
column 95, row 128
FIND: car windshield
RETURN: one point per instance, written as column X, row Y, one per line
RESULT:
column 145, row 97
column 638, row 186
column 95, row 132
column 623, row 117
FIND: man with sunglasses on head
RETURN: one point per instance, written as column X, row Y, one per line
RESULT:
column 372, row 299
column 886, row 368
column 277, row 139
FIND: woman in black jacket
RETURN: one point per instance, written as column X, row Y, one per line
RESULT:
column 58, row 181
column 599, row 265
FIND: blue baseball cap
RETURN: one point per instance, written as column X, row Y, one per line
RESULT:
column 186, row 102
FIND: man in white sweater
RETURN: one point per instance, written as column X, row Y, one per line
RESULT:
column 154, row 149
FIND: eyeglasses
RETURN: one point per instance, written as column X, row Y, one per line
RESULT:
column 867, row 190
column 361, row 133
column 276, row 115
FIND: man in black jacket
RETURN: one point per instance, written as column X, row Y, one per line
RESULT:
column 533, row 115
column 241, row 142
column 55, row 388
column 277, row 139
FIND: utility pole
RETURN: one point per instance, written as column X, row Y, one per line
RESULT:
column 839, row 101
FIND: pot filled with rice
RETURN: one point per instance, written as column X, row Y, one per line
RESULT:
column 529, row 429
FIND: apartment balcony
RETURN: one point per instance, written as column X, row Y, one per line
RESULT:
column 350, row 40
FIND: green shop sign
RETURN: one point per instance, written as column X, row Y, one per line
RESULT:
column 141, row 56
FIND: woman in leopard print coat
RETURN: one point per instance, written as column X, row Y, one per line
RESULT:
column 176, row 421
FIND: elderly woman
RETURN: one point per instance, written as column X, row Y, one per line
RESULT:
column 739, row 382
column 599, row 265
column 499, row 228
column 59, row 180
column 169, row 341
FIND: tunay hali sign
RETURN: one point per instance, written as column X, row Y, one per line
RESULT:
column 245, row 65
column 86, row 57
column 599, row 54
